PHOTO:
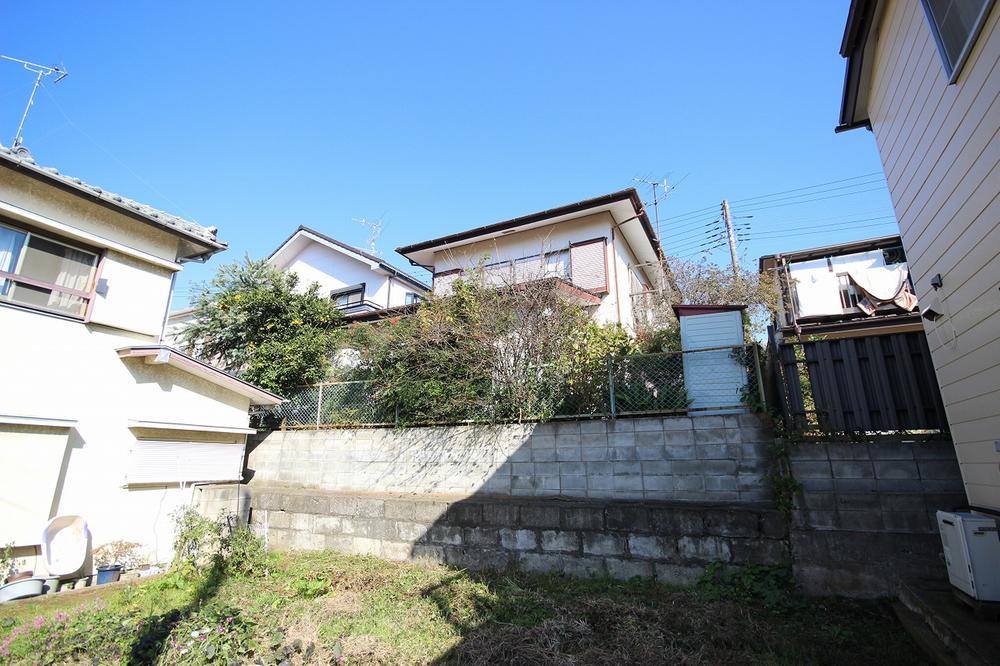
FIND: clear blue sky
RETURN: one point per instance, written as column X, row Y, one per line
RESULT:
column 258, row 117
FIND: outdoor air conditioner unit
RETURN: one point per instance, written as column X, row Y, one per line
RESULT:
column 972, row 552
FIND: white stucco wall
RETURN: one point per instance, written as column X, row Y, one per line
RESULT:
column 55, row 368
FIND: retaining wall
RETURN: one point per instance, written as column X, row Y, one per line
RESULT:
column 668, row 541
column 864, row 519
column 707, row 458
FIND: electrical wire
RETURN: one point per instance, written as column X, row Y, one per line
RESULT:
column 794, row 203
column 779, row 234
column 809, row 187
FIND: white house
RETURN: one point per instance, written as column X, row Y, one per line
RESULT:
column 603, row 247
column 97, row 417
column 924, row 78
column 358, row 281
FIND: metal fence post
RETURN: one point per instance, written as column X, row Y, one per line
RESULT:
column 319, row 405
column 611, row 386
column 760, row 377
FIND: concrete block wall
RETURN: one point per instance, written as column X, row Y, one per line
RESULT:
column 671, row 542
column 706, row 458
column 865, row 517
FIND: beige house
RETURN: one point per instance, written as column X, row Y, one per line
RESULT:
column 603, row 251
column 924, row 78
column 97, row 417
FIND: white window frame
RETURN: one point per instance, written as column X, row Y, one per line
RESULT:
column 954, row 69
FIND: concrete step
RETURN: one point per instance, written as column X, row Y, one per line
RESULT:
column 945, row 627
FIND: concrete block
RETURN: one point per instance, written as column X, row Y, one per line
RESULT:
column 593, row 426
column 394, row 550
column 621, row 439
column 620, row 425
column 689, row 482
column 627, row 569
column 707, row 422
column 934, row 450
column 539, row 516
column 678, row 522
column 583, row 518
column 465, row 513
column 677, row 574
column 812, row 451
column 649, row 453
column 542, row 441
column 518, row 539
column 632, row 518
column 627, row 467
column 622, row 453
column 731, row 522
column 603, row 543
column 568, row 428
column 626, row 484
column 717, row 467
column 852, row 469
column 445, row 534
column 718, row 451
column 709, row 435
column 847, row 451
column 651, row 547
column 569, row 482
column 774, row 525
column 328, row 524
column 683, row 438
column 896, row 469
column 855, row 485
column 594, row 454
column 547, row 469
column 658, row 483
column 583, row 567
column 816, row 500
column 942, row 485
column 890, row 451
column 863, row 521
column 409, row 532
column 939, row 469
column 720, row 483
column 427, row 553
column 366, row 546
column 523, row 454
column 802, row 470
column 343, row 505
column 543, row 455
column 657, row 467
column 560, row 541
column 858, row 501
column 572, row 468
column 906, row 521
column 601, row 482
column 762, row 552
column 816, row 485
column 647, row 424
column 705, row 549
column 541, row 562
column 571, row 453
column 481, row 536
column 677, row 423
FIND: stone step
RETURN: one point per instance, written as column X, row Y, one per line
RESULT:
column 956, row 635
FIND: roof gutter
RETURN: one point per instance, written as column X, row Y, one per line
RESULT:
column 861, row 20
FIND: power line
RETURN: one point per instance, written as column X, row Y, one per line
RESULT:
column 779, row 234
column 809, row 194
column 793, row 203
column 841, row 223
column 811, row 220
column 810, row 187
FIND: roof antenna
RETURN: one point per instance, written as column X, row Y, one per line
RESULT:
column 374, row 227
column 667, row 187
column 41, row 71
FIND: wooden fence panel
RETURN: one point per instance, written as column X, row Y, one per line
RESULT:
column 871, row 384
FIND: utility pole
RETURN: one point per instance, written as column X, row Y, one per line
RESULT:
column 728, row 219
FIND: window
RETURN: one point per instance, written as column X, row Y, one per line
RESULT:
column 848, row 294
column 589, row 265
column 557, row 264
column 347, row 297
column 411, row 298
column 894, row 255
column 955, row 25
column 44, row 273
column 154, row 461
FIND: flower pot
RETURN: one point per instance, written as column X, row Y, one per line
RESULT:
column 108, row 573
column 29, row 587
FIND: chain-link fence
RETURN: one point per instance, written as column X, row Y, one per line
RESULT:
column 709, row 380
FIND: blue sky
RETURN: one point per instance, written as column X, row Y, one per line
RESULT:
column 436, row 117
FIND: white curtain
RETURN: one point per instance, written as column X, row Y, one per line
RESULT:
column 10, row 249
column 74, row 273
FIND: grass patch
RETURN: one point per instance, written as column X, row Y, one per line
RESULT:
column 322, row 608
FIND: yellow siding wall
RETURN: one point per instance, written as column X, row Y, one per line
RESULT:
column 941, row 153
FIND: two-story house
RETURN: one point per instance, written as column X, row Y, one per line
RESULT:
column 924, row 77
column 603, row 250
column 97, row 417
column 359, row 282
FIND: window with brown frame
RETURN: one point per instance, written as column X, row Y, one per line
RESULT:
column 589, row 265
column 44, row 273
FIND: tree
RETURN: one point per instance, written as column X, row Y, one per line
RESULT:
column 251, row 320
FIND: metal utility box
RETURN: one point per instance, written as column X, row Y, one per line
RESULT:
column 972, row 552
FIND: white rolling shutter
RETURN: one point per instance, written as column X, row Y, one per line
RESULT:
column 174, row 462
column 589, row 265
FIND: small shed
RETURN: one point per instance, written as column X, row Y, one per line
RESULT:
column 712, row 343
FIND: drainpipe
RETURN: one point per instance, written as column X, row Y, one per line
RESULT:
column 166, row 312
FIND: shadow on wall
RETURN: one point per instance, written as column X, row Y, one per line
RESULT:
column 652, row 497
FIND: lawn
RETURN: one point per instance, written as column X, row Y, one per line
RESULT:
column 324, row 608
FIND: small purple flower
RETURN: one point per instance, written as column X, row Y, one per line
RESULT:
column 61, row 616
column 202, row 638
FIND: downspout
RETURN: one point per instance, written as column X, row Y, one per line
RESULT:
column 614, row 267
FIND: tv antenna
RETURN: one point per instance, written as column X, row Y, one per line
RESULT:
column 40, row 71
column 374, row 227
column 656, row 201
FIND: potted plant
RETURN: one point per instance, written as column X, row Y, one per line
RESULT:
column 114, row 557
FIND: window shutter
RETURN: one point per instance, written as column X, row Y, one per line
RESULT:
column 174, row 462
column 589, row 266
